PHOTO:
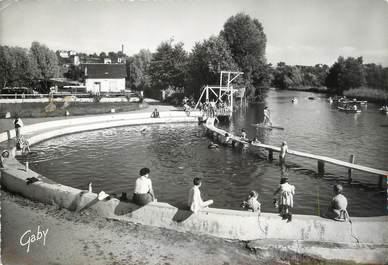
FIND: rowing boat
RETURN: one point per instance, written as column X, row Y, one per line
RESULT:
column 348, row 110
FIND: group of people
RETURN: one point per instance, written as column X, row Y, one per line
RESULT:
column 211, row 108
column 337, row 210
column 144, row 193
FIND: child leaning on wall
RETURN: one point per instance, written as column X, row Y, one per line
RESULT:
column 286, row 198
column 252, row 202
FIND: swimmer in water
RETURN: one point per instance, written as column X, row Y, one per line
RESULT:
column 212, row 145
column 243, row 134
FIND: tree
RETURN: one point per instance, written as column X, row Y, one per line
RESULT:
column 168, row 66
column 374, row 76
column 345, row 74
column 385, row 78
column 281, row 75
column 74, row 72
column 102, row 55
column 46, row 63
column 5, row 66
column 138, row 70
column 247, row 43
column 16, row 66
column 112, row 55
column 206, row 61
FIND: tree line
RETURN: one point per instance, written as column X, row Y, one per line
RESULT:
column 27, row 67
column 239, row 46
column 343, row 75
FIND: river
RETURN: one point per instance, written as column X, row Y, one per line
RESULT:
column 111, row 158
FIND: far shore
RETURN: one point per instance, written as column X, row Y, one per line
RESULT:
column 377, row 96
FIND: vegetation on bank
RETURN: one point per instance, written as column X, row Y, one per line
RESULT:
column 346, row 76
column 239, row 46
column 59, row 109
column 369, row 94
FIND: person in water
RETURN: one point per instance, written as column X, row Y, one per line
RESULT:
column 252, row 202
column 337, row 208
column 155, row 114
column 212, row 145
column 144, row 192
column 255, row 141
column 286, row 198
column 267, row 115
column 243, row 134
column 228, row 139
column 195, row 202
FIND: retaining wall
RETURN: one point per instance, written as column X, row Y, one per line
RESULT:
column 365, row 240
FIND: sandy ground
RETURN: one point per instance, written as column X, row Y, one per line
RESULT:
column 74, row 238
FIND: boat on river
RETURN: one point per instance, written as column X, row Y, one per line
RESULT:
column 384, row 109
column 348, row 109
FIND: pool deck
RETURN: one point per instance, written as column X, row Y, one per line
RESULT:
column 363, row 240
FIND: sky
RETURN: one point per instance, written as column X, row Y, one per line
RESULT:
column 303, row 32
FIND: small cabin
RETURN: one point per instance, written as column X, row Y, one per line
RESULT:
column 105, row 78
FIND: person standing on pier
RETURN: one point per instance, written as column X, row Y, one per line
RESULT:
column 143, row 193
column 286, row 198
column 195, row 201
column 282, row 153
column 339, row 203
column 267, row 114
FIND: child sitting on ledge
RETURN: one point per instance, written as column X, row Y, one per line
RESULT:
column 252, row 203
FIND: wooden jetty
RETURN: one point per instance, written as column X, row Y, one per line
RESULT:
column 321, row 160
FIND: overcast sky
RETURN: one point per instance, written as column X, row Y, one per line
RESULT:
column 303, row 32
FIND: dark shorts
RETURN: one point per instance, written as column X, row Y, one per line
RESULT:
column 142, row 198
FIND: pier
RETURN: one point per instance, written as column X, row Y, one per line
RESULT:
column 321, row 160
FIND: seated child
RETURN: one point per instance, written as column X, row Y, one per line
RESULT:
column 251, row 203
column 337, row 208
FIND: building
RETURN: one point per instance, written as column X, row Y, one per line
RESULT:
column 107, row 60
column 104, row 77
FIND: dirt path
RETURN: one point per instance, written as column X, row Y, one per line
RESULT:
column 74, row 238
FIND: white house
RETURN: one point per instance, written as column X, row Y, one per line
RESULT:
column 104, row 77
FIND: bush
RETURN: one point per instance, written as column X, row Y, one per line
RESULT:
column 366, row 93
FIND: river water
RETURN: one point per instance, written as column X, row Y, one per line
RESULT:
column 176, row 153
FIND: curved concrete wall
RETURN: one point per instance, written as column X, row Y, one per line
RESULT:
column 364, row 235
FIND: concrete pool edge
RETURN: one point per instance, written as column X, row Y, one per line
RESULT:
column 364, row 240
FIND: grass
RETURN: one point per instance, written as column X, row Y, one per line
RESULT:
column 369, row 94
column 41, row 110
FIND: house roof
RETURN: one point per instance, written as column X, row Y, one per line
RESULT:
column 105, row 70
